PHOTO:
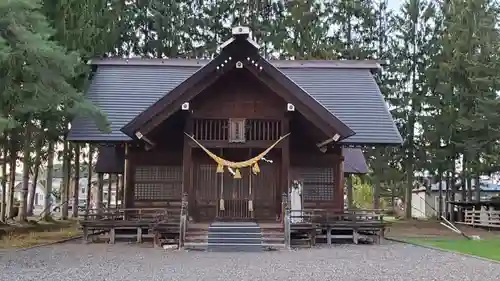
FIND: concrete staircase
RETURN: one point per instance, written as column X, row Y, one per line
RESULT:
column 234, row 237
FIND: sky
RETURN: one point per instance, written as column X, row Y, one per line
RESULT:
column 394, row 4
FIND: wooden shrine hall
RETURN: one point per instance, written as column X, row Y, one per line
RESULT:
column 223, row 140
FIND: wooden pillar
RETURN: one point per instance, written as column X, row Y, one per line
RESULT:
column 128, row 181
column 100, row 187
column 350, row 197
column 122, row 191
column 285, row 163
column 338, row 174
column 187, row 158
column 119, row 180
column 110, row 188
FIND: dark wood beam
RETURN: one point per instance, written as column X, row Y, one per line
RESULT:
column 226, row 144
column 285, row 163
column 187, row 165
column 338, row 177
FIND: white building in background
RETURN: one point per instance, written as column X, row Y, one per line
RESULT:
column 39, row 197
column 425, row 201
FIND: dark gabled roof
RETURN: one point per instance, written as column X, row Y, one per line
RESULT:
column 238, row 48
column 123, row 88
column 354, row 161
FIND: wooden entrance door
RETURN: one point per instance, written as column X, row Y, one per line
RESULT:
column 235, row 193
column 235, row 196
column 210, row 187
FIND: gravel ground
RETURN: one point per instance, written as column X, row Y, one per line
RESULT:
column 122, row 262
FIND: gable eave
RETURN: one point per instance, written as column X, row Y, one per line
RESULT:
column 323, row 114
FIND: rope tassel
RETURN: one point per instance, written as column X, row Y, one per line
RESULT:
column 256, row 168
column 220, row 169
column 237, row 174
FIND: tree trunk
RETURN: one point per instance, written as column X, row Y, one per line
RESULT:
column 65, row 183
column 463, row 184
column 409, row 186
column 89, row 178
column 447, row 195
column 36, row 170
column 477, row 180
column 440, row 202
column 464, row 177
column 376, row 195
column 76, row 181
column 32, row 192
column 23, row 204
column 48, row 187
column 453, row 187
column 393, row 198
column 12, row 178
column 3, row 202
column 469, row 185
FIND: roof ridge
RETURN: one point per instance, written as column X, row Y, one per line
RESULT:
column 184, row 62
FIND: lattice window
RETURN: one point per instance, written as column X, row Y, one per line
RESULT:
column 158, row 182
column 237, row 130
column 207, row 184
column 318, row 183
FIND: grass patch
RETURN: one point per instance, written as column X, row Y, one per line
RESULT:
column 29, row 235
column 487, row 248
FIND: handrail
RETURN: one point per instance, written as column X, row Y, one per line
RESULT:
column 183, row 220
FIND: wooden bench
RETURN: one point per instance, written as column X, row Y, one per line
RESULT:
column 367, row 224
column 124, row 219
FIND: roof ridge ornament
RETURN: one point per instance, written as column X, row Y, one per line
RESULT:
column 240, row 32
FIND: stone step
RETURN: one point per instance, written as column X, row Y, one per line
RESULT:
column 232, row 240
column 235, row 237
column 234, row 229
column 235, row 248
column 257, row 235
column 273, row 239
column 196, row 245
column 232, row 247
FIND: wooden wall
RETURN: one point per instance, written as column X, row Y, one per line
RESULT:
column 322, row 176
column 157, row 176
column 239, row 95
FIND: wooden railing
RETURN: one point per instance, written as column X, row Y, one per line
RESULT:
column 184, row 220
column 152, row 214
column 327, row 216
column 484, row 218
column 254, row 129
